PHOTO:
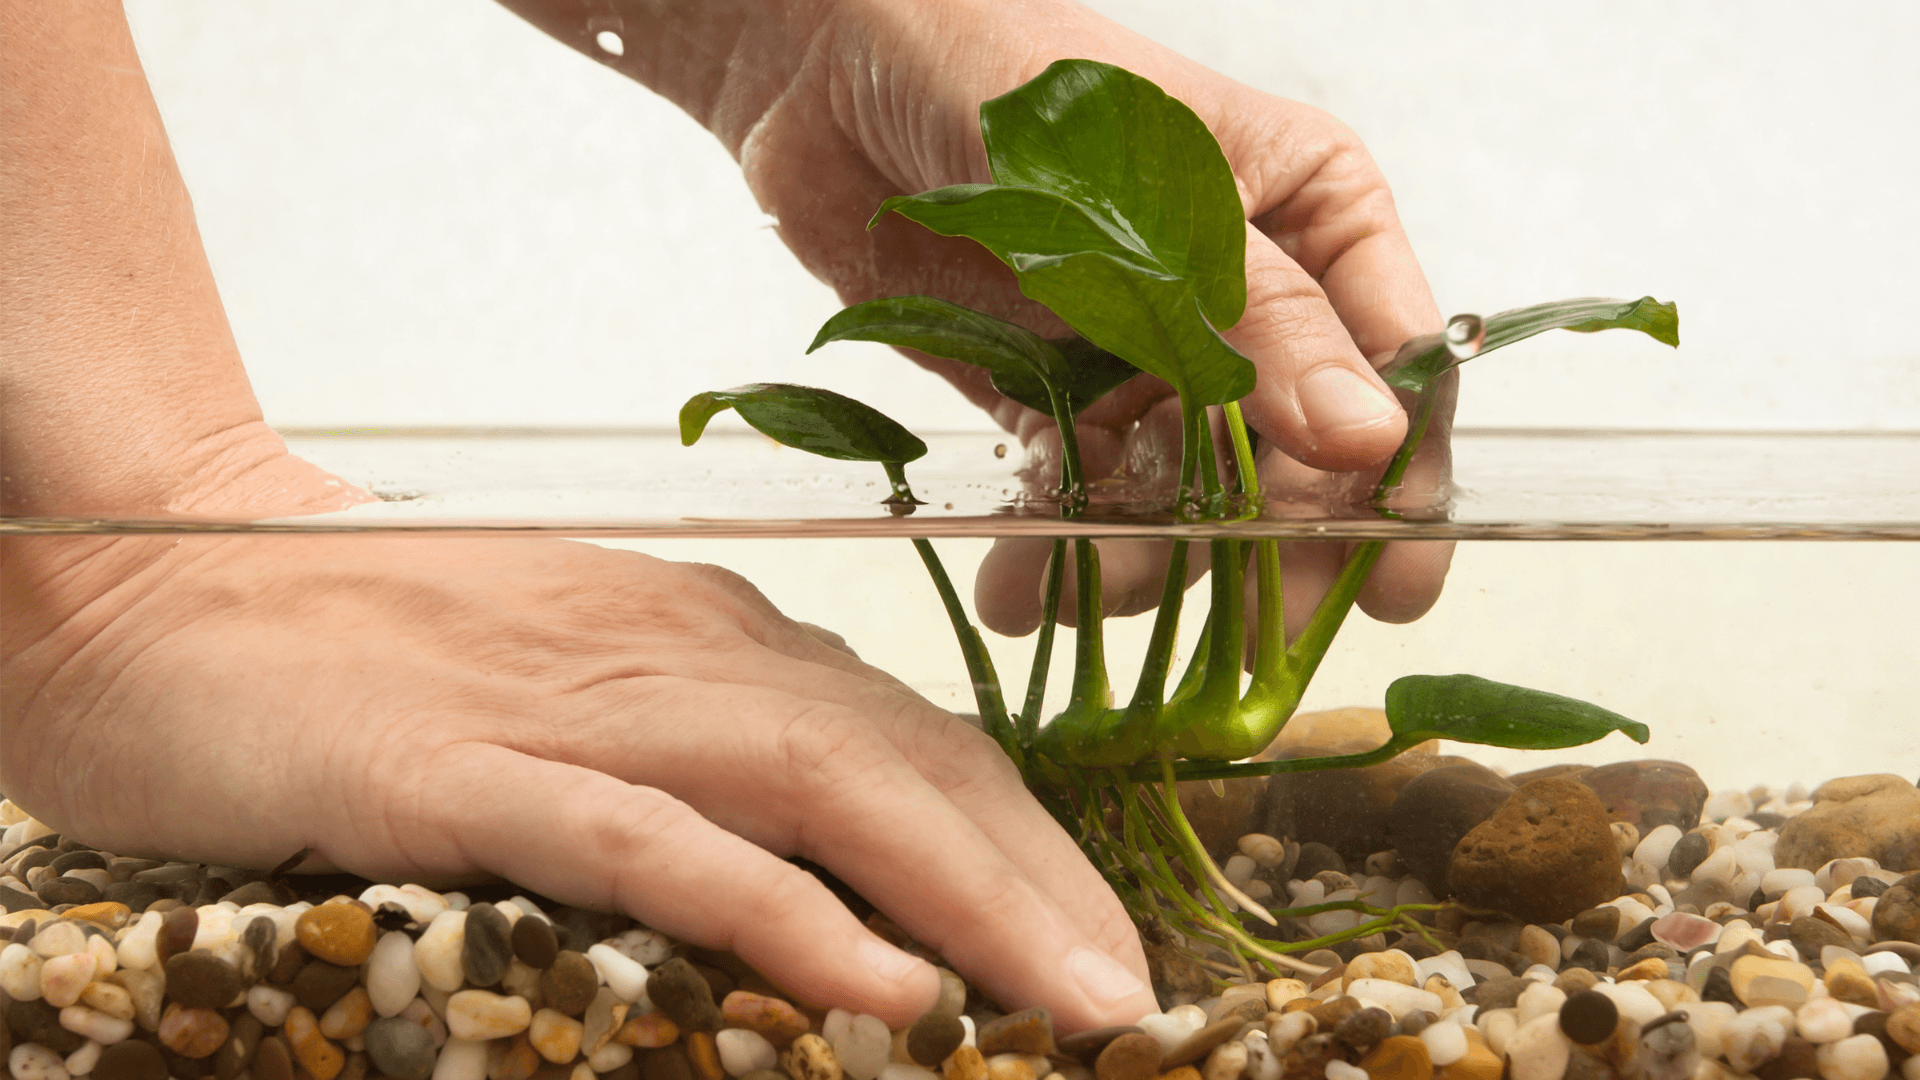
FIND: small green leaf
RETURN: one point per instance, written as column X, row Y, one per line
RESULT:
column 1426, row 358
column 1013, row 222
column 817, row 421
column 1140, row 160
column 1467, row 708
column 1093, row 371
column 1152, row 321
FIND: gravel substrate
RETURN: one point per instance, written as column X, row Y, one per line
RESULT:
column 130, row 969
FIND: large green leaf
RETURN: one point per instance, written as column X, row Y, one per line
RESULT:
column 1022, row 362
column 1012, row 222
column 1467, row 708
column 1141, row 161
column 1426, row 358
column 817, row 421
column 1152, row 321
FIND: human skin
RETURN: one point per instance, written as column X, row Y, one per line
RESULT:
column 585, row 722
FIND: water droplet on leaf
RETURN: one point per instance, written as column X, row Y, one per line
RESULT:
column 1465, row 335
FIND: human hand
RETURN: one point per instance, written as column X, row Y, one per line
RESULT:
column 885, row 101
column 610, row 729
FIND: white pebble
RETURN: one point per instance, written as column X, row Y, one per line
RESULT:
column 864, row 1048
column 63, row 977
column 1775, row 883
column 1722, row 805
column 1854, row 923
column 1754, row 1037
column 1498, row 1026
column 609, row 1057
column 1262, row 1062
column 393, row 975
column 1538, row 1000
column 1707, row 1018
column 136, row 949
column 1449, row 964
column 1718, row 867
column 1655, row 848
column 1823, row 1020
column 1239, row 869
column 1226, row 1062
column 1446, row 1042
column 437, row 953
column 1286, row 1031
column 1413, row 891
column 20, row 972
column 94, row 1024
column 1340, row 1070
column 461, row 1060
column 648, row 948
column 425, row 904
column 1166, row 1030
column 1193, row 1016
column 1882, row 963
column 1397, row 998
column 625, row 978
column 457, row 901
column 966, row 1026
column 82, row 1061
column 269, row 1004
column 1539, row 1050
column 31, row 1061
column 59, row 939
column 1633, row 1001
column 419, row 1012
column 481, row 1015
column 1263, row 849
column 1857, row 1057
column 742, row 1051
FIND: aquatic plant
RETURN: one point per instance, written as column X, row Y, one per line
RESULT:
column 1116, row 209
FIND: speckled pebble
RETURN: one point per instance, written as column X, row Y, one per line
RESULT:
column 400, row 1049
column 341, row 934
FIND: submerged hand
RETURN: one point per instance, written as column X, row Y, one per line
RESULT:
column 884, row 101
column 612, row 730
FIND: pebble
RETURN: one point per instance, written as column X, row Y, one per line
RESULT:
column 555, row 1036
column 437, row 952
column 625, row 978
column 400, row 1049
column 1759, row 980
column 568, row 985
column 393, row 979
column 811, row 1058
column 676, row 989
column 863, row 1048
column 480, row 1015
column 1130, row 1056
column 931, row 1038
column 30, row 1061
column 648, row 1031
column 1538, row 1050
column 1446, row 1043
column 742, row 1051
column 1029, row 1031
column 341, row 934
column 201, row 980
column 487, row 947
column 178, row 928
column 1858, row 1057
column 534, row 942
column 195, row 1033
column 133, row 1060
column 63, row 977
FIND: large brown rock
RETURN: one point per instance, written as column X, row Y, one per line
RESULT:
column 1345, row 809
column 1220, row 818
column 1648, row 794
column 1436, row 810
column 1877, row 816
column 1545, row 855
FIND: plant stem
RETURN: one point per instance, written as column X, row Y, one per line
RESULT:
column 1243, row 453
column 1090, row 688
column 1194, row 852
column 1029, row 721
column 1073, row 481
column 1151, row 691
column 1397, row 468
column 986, row 685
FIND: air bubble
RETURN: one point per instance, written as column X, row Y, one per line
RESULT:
column 610, row 43
column 1000, row 450
column 1465, row 336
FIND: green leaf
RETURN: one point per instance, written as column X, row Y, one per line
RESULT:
column 1153, row 321
column 1022, row 362
column 817, row 421
column 1142, row 162
column 1467, row 708
column 1012, row 222
column 1426, row 358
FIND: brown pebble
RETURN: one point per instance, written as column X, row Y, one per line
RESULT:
column 703, row 1056
column 512, row 1059
column 1903, row 1027
column 569, row 983
column 666, row 1063
column 1029, row 1031
column 177, row 930
column 194, row 1033
column 1201, row 1043
column 775, row 1020
column 1130, row 1056
column 201, row 980
column 1644, row 970
column 287, row 964
column 1329, row 1013
column 320, row 984
column 107, row 913
column 1479, row 1062
column 1085, row 1046
column 933, row 1037
column 311, row 1049
column 534, row 942
column 273, row 1061
column 341, row 934
column 348, row 1016
column 1188, row 1072
column 237, row 1052
column 131, row 1059
column 356, row 1066
column 647, row 1031
column 1399, row 1057
column 966, row 1063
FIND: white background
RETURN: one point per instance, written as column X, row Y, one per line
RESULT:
column 423, row 212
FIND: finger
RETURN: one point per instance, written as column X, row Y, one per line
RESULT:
column 1406, row 582
column 951, row 779
column 828, row 786
column 1317, row 396
column 585, row 838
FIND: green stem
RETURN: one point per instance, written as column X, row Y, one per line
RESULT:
column 1243, row 453
column 1151, row 690
column 986, row 685
column 1073, row 480
column 1090, row 688
column 1029, row 723
column 1397, row 468
column 1226, row 654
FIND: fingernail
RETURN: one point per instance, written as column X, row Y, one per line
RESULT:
column 1336, row 399
column 1102, row 977
column 887, row 962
